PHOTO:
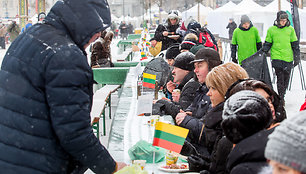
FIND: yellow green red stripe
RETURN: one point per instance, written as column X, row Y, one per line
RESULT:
column 149, row 76
column 167, row 145
column 169, row 136
column 166, row 136
column 171, row 129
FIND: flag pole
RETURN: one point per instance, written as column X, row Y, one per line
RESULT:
column 154, row 156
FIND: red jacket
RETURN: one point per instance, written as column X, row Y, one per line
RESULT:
column 303, row 107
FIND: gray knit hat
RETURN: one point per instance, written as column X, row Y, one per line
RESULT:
column 245, row 19
column 245, row 113
column 287, row 144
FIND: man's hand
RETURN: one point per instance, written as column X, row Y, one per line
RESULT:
column 180, row 117
column 171, row 86
column 119, row 166
column 165, row 33
column 189, row 113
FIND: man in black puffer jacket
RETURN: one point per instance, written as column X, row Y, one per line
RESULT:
column 46, row 94
column 184, row 75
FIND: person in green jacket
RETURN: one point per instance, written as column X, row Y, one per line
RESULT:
column 246, row 38
column 281, row 39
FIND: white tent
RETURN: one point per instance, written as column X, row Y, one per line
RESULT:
column 228, row 7
column 247, row 7
column 193, row 12
column 218, row 19
column 273, row 6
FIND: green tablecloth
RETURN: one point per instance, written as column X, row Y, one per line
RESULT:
column 110, row 76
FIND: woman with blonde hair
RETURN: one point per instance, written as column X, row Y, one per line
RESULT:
column 205, row 133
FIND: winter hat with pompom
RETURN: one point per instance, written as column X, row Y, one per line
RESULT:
column 245, row 113
column 287, row 144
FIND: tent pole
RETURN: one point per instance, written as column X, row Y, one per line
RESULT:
column 199, row 12
column 279, row 5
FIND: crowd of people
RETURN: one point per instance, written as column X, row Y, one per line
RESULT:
column 236, row 124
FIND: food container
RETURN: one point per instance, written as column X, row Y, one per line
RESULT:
column 171, row 158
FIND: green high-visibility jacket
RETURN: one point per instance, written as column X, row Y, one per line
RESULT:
column 246, row 41
column 281, row 39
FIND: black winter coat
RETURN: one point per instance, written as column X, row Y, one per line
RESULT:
column 188, row 88
column 166, row 41
column 231, row 26
column 200, row 104
column 208, row 135
column 46, row 94
column 248, row 155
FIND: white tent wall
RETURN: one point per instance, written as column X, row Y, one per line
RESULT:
column 261, row 17
column 193, row 11
column 217, row 22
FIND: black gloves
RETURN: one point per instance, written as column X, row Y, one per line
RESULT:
column 258, row 46
column 266, row 47
column 204, row 172
column 296, row 52
column 198, row 163
column 233, row 53
column 188, row 149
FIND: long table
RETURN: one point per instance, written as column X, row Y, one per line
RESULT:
column 128, row 128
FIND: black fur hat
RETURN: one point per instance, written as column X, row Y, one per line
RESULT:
column 281, row 15
column 245, row 113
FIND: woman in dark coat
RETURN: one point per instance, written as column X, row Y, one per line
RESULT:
column 207, row 131
column 246, row 117
column 46, row 94
column 224, row 146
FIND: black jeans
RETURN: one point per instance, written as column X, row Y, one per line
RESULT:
column 283, row 76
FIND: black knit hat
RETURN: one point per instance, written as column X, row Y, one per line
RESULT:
column 245, row 113
column 187, row 44
column 183, row 61
column 173, row 51
column 208, row 55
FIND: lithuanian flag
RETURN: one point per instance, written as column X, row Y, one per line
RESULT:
column 143, row 55
column 169, row 136
column 149, row 80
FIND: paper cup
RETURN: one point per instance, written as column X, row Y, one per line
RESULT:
column 141, row 163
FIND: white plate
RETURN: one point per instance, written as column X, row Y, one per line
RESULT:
column 174, row 36
column 173, row 170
